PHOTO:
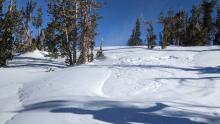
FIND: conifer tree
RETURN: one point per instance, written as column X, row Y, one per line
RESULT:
column 88, row 26
column 8, row 25
column 207, row 7
column 135, row 39
column 217, row 24
column 64, row 14
column 151, row 36
column 28, row 16
column 75, row 25
column 180, row 28
column 2, row 43
column 171, row 21
column 93, row 33
column 50, row 39
column 166, row 33
column 38, row 21
column 195, row 33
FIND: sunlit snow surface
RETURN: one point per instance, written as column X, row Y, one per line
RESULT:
column 132, row 85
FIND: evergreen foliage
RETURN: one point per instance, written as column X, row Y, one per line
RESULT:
column 9, row 23
column 151, row 36
column 135, row 39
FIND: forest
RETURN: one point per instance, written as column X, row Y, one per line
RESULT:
column 73, row 24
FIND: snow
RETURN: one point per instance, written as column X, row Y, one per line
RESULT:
column 132, row 85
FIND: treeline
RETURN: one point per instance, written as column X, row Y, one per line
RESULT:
column 182, row 29
column 72, row 29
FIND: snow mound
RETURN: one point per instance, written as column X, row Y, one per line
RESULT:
column 78, row 81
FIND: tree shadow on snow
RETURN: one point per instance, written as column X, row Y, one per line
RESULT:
column 127, row 115
column 116, row 113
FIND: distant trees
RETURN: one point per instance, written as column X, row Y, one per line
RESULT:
column 197, row 29
column 135, row 39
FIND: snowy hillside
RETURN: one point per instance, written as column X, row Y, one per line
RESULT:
column 132, row 85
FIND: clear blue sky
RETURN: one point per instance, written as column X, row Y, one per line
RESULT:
column 119, row 16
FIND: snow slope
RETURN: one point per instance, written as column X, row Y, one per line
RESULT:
column 132, row 85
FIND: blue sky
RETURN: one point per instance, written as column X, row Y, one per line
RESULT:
column 119, row 16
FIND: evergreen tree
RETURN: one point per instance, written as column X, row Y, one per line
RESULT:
column 161, row 38
column 50, row 39
column 135, row 39
column 93, row 33
column 100, row 54
column 217, row 24
column 76, row 21
column 180, row 28
column 64, row 14
column 8, row 25
column 151, row 36
column 207, row 7
column 2, row 42
column 195, row 32
column 88, row 26
column 166, row 32
column 28, row 16
column 171, row 23
column 38, row 21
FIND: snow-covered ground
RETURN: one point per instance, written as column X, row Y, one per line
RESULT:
column 132, row 85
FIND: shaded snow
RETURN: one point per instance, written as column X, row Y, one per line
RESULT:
column 132, row 85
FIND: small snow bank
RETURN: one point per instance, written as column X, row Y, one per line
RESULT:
column 76, row 81
column 35, row 54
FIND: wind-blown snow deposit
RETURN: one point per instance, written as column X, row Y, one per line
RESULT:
column 179, row 85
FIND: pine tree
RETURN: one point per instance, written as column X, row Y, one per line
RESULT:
column 50, row 39
column 207, row 7
column 195, row 33
column 76, row 23
column 180, row 28
column 84, row 37
column 28, row 16
column 151, row 36
column 38, row 21
column 217, row 24
column 8, row 25
column 135, row 39
column 171, row 21
column 100, row 54
column 2, row 42
column 166, row 32
column 161, row 38
column 93, row 33
column 88, row 26
column 64, row 14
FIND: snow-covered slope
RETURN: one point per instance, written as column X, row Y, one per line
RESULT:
column 132, row 85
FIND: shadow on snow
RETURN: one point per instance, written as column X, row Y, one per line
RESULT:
column 115, row 113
